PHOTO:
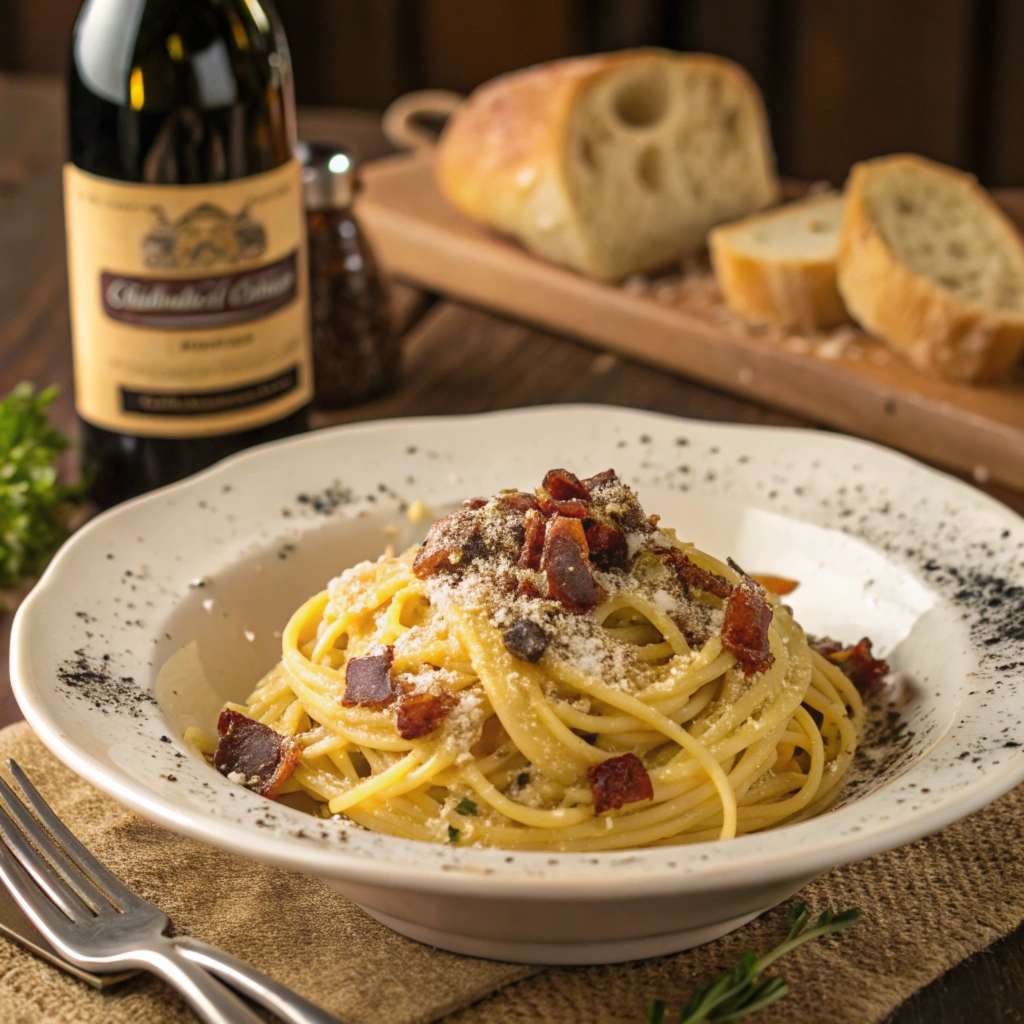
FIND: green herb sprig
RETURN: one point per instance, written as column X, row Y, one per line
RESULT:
column 34, row 506
column 740, row 991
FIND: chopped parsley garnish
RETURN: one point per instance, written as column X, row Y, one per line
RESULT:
column 465, row 806
column 453, row 834
column 34, row 506
column 739, row 991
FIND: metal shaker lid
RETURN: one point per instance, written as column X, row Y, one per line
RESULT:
column 329, row 179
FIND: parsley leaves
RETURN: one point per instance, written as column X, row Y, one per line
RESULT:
column 34, row 506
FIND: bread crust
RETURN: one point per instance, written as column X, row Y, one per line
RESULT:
column 503, row 157
column 796, row 293
column 928, row 326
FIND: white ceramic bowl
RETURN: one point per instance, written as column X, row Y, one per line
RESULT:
column 931, row 569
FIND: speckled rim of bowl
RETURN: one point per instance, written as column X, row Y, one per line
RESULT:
column 940, row 523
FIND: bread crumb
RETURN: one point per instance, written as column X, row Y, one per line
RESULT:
column 416, row 512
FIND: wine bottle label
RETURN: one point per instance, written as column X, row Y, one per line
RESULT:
column 189, row 303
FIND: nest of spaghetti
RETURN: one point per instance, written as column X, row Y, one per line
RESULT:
column 552, row 670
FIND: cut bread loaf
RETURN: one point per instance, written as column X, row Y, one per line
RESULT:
column 929, row 264
column 780, row 267
column 612, row 164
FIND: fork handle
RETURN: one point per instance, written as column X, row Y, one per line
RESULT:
column 270, row 994
column 211, row 1002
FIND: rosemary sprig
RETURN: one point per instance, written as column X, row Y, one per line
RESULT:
column 741, row 991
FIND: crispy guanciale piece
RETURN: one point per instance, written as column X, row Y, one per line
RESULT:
column 368, row 680
column 563, row 485
column 519, row 500
column 572, row 508
column 607, row 543
column 617, row 781
column 694, row 576
column 533, row 541
column 263, row 756
column 420, row 714
column 592, row 483
column 745, row 629
column 776, row 584
column 860, row 666
column 474, row 503
column 566, row 562
column 452, row 543
column 526, row 640
column 527, row 588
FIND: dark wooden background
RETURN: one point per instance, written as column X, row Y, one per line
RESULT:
column 843, row 79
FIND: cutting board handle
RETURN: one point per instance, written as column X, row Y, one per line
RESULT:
column 414, row 120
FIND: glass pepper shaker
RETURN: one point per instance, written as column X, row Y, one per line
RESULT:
column 356, row 355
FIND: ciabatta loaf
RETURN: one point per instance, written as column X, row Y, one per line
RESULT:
column 611, row 164
column 929, row 264
column 780, row 267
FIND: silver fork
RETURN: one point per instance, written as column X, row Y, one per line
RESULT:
column 97, row 923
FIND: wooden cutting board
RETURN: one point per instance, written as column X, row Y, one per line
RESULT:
column 841, row 379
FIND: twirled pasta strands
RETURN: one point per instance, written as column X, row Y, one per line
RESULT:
column 726, row 754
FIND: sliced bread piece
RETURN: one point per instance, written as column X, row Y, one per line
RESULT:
column 780, row 267
column 929, row 264
column 611, row 164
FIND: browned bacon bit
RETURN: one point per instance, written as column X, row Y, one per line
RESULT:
column 607, row 543
column 566, row 562
column 694, row 576
column 860, row 666
column 264, row 757
column 474, row 503
column 592, row 483
column 420, row 714
column 693, row 625
column 563, row 485
column 452, row 543
column 525, row 639
column 368, row 680
column 745, row 628
column 507, row 582
column 533, row 541
column 519, row 500
column 617, row 781
column 572, row 508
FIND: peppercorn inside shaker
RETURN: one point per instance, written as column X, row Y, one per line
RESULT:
column 356, row 355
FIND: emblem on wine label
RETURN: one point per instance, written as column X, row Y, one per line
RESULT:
column 204, row 236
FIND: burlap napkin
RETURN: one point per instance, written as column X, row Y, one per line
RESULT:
column 926, row 907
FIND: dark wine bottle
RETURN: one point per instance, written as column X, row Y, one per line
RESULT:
column 186, row 238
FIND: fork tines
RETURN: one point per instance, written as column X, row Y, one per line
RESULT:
column 57, row 862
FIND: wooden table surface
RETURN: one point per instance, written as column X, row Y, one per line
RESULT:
column 458, row 360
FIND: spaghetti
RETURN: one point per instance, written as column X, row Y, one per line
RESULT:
column 550, row 671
